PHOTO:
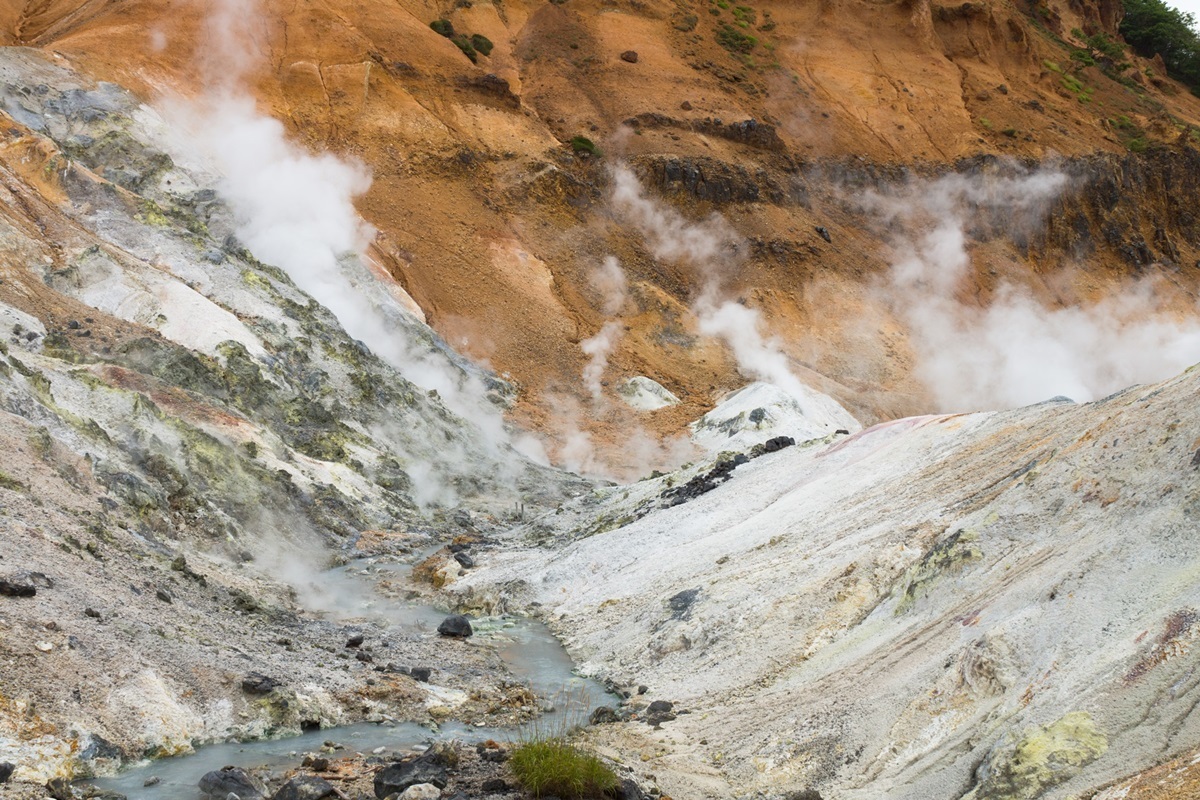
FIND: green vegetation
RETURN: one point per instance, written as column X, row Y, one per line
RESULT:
column 734, row 40
column 1099, row 49
column 443, row 27
column 745, row 16
column 482, row 43
column 1153, row 27
column 582, row 144
column 1081, row 90
column 553, row 767
column 463, row 42
column 11, row 483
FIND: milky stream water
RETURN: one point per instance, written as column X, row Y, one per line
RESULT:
column 527, row 648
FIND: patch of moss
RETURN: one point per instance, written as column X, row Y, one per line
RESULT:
column 947, row 556
column 582, row 144
column 11, row 483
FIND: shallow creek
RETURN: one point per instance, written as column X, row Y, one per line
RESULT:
column 527, row 648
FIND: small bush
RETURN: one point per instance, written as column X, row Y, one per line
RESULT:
column 482, row 43
column 688, row 23
column 463, row 43
column 582, row 144
column 443, row 27
column 734, row 40
column 555, row 768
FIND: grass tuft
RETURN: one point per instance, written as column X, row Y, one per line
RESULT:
column 552, row 767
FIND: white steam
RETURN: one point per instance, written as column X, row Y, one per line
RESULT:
column 1016, row 351
column 609, row 280
column 295, row 209
column 710, row 248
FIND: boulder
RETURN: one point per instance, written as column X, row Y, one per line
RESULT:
column 6, row 771
column 305, row 787
column 630, row 56
column 425, row 768
column 603, row 716
column 232, row 780
column 457, row 626
column 15, row 586
column 257, row 683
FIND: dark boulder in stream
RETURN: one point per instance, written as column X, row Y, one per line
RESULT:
column 222, row 782
column 457, row 625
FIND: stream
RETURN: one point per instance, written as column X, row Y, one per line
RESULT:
column 526, row 647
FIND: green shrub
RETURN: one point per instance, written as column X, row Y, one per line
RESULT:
column 463, row 43
column 552, row 767
column 582, row 144
column 443, row 27
column 482, row 43
column 734, row 40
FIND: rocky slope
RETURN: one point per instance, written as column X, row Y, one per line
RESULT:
column 994, row 605
column 190, row 440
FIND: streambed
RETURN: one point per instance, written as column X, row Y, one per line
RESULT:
column 527, row 648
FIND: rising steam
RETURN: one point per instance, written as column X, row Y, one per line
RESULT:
column 295, row 209
column 711, row 248
column 1017, row 350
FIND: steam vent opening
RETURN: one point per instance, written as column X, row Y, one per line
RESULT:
column 593, row 399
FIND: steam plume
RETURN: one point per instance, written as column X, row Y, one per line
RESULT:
column 1016, row 351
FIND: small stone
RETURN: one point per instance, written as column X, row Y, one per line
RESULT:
column 603, row 716
column 661, row 707
column 464, row 560
column 495, row 785
column 355, row 641
column 305, row 787
column 422, row 674
column 823, row 232
column 257, row 683
column 630, row 56
column 6, row 771
column 316, row 763
column 164, row 595
column 153, row 780
column 364, row 656
column 685, row 105
column 45, row 647
column 643, row 688
column 456, row 626
column 91, row 612
column 421, row 791
column 74, row 325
